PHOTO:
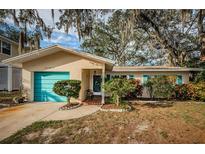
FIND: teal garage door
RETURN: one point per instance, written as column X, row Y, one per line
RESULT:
column 43, row 86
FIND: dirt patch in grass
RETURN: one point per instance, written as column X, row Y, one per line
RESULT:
column 179, row 123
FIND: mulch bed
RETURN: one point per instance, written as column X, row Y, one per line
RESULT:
column 70, row 106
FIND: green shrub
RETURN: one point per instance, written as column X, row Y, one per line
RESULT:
column 200, row 77
column 184, row 91
column 161, row 87
column 199, row 91
column 137, row 91
column 118, row 88
column 68, row 88
column 149, row 86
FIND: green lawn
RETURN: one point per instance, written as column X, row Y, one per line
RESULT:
column 178, row 123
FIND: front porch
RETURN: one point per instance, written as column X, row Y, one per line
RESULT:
column 92, row 81
column 96, row 100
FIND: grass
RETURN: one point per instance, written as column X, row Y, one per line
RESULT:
column 182, row 122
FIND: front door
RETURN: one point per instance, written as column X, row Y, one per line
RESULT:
column 97, row 80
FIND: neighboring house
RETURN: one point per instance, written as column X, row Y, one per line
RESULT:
column 42, row 68
column 10, row 77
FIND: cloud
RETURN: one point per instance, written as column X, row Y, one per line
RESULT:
column 63, row 39
column 58, row 37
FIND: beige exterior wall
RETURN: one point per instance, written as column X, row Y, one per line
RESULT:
column 14, row 50
column 80, row 69
column 60, row 62
column 139, row 75
column 85, row 83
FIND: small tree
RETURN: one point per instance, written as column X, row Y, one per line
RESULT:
column 163, row 87
column 68, row 88
column 117, row 88
column 200, row 77
column 149, row 86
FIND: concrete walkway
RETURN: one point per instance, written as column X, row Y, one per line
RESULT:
column 15, row 118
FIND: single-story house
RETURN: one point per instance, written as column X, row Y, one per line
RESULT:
column 42, row 68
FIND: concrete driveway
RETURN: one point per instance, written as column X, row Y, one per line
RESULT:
column 15, row 118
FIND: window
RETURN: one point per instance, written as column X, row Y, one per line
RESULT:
column 131, row 76
column 6, row 48
column 179, row 80
column 146, row 78
column 123, row 76
column 115, row 76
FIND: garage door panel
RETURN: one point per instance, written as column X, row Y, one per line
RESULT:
column 43, row 86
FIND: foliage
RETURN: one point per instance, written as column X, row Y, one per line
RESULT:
column 195, row 91
column 200, row 77
column 172, row 35
column 9, row 95
column 160, row 87
column 117, row 88
column 199, row 91
column 68, row 88
column 108, row 40
column 170, row 32
column 28, row 20
column 137, row 91
column 184, row 91
column 149, row 86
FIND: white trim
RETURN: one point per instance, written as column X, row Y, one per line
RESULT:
column 44, row 50
column 91, row 82
column 32, row 86
column 102, row 84
column 10, row 78
column 3, row 37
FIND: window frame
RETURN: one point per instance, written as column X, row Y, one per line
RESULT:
column 131, row 76
column 1, row 48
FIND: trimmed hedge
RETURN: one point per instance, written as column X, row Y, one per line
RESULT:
column 68, row 88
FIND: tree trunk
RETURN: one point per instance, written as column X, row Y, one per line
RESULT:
column 68, row 100
column 117, row 100
column 21, row 43
column 201, row 30
column 202, row 43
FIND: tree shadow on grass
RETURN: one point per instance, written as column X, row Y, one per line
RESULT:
column 158, row 105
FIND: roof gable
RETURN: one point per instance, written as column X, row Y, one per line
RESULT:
column 53, row 49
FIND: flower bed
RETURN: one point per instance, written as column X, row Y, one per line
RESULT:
column 115, row 108
column 70, row 106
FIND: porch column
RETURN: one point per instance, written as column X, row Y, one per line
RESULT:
column 103, row 82
column 10, row 78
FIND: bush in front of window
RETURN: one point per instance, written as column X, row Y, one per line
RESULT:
column 118, row 88
column 184, row 91
column 137, row 91
column 160, row 87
